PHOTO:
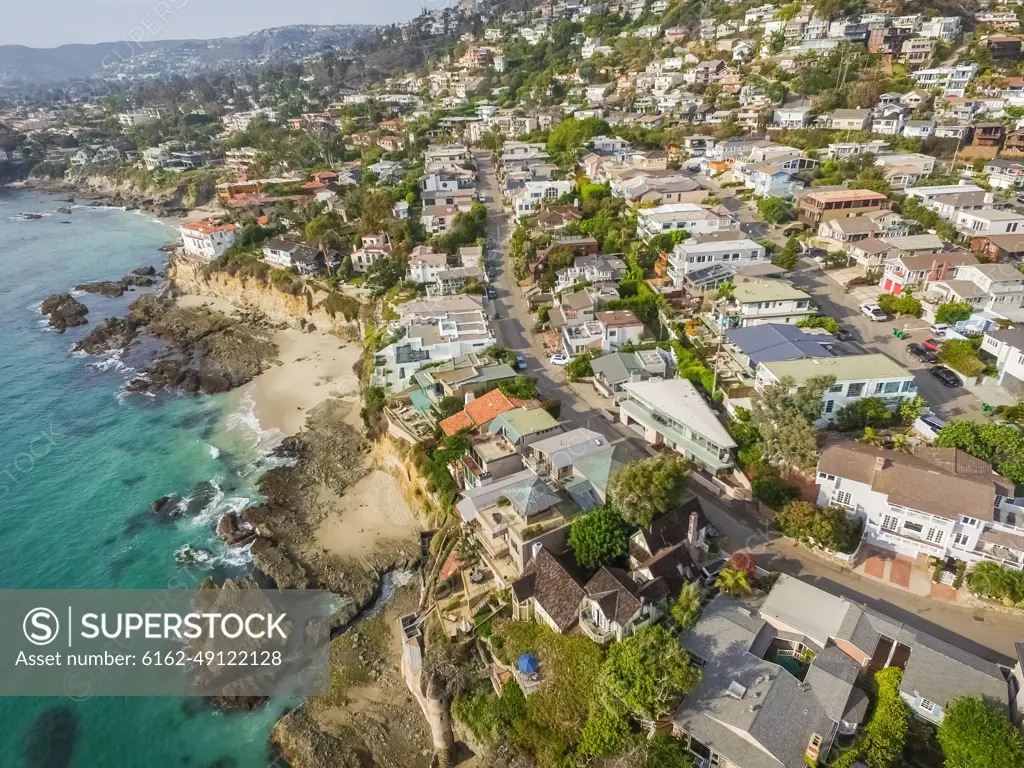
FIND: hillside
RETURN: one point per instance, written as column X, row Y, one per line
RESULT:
column 22, row 65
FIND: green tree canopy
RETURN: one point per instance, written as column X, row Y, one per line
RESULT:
column 785, row 420
column 953, row 312
column 598, row 538
column 686, row 608
column 645, row 674
column 775, row 210
column 974, row 734
column 999, row 444
column 643, row 490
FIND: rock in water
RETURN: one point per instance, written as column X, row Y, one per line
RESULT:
column 64, row 311
column 65, row 211
column 189, row 555
column 50, row 741
column 166, row 507
column 144, row 271
column 112, row 333
column 109, row 288
column 32, row 216
column 199, row 497
column 234, row 530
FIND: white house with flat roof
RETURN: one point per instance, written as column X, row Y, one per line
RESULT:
column 756, row 302
column 675, row 217
column 672, row 412
column 730, row 256
column 857, row 376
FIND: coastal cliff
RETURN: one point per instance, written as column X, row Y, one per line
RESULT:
column 312, row 306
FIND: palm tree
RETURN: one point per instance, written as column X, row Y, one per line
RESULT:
column 871, row 437
column 733, row 582
column 900, row 442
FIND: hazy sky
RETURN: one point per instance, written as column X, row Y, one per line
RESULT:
column 48, row 23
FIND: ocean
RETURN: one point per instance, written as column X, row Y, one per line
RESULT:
column 80, row 464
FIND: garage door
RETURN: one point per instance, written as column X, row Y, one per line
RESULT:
column 888, row 284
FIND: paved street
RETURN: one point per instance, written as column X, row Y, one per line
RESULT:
column 988, row 634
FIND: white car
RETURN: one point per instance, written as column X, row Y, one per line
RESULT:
column 873, row 311
column 939, row 329
column 560, row 359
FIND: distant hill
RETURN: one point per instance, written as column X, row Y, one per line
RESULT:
column 22, row 65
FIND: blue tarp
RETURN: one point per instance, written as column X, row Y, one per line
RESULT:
column 528, row 664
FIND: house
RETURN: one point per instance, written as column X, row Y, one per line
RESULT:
column 918, row 129
column 919, row 271
column 288, row 253
column 452, row 280
column 425, row 265
column 949, row 206
column 523, row 426
column 988, row 135
column 873, row 252
column 706, row 72
column 547, row 592
column 665, row 548
column 1003, row 47
column 374, row 248
column 937, row 502
column 458, row 378
column 773, row 342
column 607, row 332
column 557, row 217
column 817, row 207
column 985, row 223
column 999, row 247
column 792, row 117
column 934, row 672
column 767, row 698
column 613, row 370
column 207, row 239
column 857, row 376
column 672, row 413
column 838, row 233
column 673, row 217
column 946, row 28
column 701, row 267
column 888, row 121
column 991, row 287
column 952, row 81
column 774, row 178
column 916, row 52
column 849, row 119
column 1004, row 174
column 590, row 269
column 621, row 327
column 438, row 219
column 757, row 302
column 527, row 200
column 1007, row 347
column 926, row 194
column 615, row 606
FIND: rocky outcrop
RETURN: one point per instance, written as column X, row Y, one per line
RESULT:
column 206, row 351
column 142, row 277
column 307, row 746
column 64, row 311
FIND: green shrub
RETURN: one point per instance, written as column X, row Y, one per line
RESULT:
column 997, row 582
column 962, row 356
column 819, row 321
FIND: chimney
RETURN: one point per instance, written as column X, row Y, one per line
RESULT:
column 989, row 197
column 880, row 463
column 470, row 397
column 944, row 271
column 933, row 273
column 691, row 528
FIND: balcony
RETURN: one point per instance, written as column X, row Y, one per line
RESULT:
column 901, row 539
column 593, row 631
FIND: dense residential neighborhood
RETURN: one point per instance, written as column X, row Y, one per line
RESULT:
column 704, row 324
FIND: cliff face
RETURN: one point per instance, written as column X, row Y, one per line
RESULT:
column 249, row 293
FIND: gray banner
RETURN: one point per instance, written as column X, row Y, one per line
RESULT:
column 231, row 642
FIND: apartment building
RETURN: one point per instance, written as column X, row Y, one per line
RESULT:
column 857, row 376
column 988, row 222
column 207, row 239
column 757, row 302
column 939, row 502
column 952, row 81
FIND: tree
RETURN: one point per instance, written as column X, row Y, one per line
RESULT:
column 598, row 538
column 664, row 751
column 911, row 410
column 788, row 257
column 886, row 733
column 605, row 732
column 829, row 528
column 904, row 304
column 999, row 444
column 686, row 608
column 785, row 420
column 733, row 582
column 743, row 561
column 866, row 412
column 974, row 734
column 645, row 674
column 643, row 490
column 449, row 406
column 819, row 321
column 774, row 210
column 953, row 312
column 580, row 368
column 521, row 387
column 871, row 437
column 962, row 355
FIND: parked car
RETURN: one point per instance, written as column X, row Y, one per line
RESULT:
column 873, row 311
column 946, row 376
column 491, row 293
column 933, row 344
column 939, row 329
column 520, row 363
column 843, row 335
column 922, row 353
column 560, row 359
column 693, row 168
column 709, row 573
column 928, row 426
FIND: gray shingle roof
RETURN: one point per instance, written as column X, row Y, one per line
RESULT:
column 941, row 672
column 547, row 581
column 774, row 341
column 616, row 592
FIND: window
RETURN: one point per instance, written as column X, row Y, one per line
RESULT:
column 890, row 523
column 891, row 387
column 829, row 405
column 837, row 388
column 915, row 527
column 855, row 390
column 842, row 498
column 969, row 521
column 879, row 387
column 830, row 478
column 960, row 539
column 910, row 386
column 927, row 706
column 935, row 535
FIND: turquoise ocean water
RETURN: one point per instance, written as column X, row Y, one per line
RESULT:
column 80, row 464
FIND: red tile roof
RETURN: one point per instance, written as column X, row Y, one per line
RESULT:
column 454, row 424
column 482, row 410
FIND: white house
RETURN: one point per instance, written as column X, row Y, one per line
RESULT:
column 374, row 247
column 673, row 217
column 951, row 80
column 938, row 502
column 207, row 239
column 608, row 332
column 991, row 287
column 425, row 265
column 526, row 201
column 672, row 413
column 792, row 117
column 941, row 27
column 1007, row 347
column 857, row 376
column 689, row 261
column 756, row 302
column 989, row 222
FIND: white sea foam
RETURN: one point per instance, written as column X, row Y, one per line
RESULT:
column 244, row 420
column 214, row 451
column 239, row 557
